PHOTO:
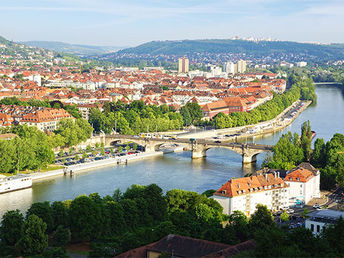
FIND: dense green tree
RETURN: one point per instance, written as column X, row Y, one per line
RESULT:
column 236, row 231
column 44, row 211
column 34, row 239
column 61, row 236
column 60, row 213
column 221, row 121
column 11, row 228
column 287, row 152
column 85, row 217
column 55, row 252
column 261, row 218
column 306, row 140
column 318, row 158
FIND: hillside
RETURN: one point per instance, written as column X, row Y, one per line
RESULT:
column 75, row 49
column 253, row 49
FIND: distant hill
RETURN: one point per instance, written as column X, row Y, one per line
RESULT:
column 75, row 49
column 223, row 46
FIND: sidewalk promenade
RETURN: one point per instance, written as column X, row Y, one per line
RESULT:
column 94, row 165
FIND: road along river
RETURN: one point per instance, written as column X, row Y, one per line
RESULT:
column 177, row 170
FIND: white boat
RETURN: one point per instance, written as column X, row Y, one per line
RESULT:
column 13, row 183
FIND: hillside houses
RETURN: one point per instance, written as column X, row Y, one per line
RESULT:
column 45, row 119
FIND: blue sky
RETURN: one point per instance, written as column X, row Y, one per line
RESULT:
column 132, row 22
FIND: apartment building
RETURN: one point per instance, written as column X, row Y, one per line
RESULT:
column 244, row 194
column 45, row 119
column 304, row 182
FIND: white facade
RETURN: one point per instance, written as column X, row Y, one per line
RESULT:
column 301, row 64
column 317, row 220
column 304, row 185
column 229, row 67
column 274, row 199
column 304, row 191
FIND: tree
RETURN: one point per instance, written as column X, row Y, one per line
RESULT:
column 44, row 211
column 55, row 252
column 88, row 148
column 262, row 218
column 305, row 213
column 11, row 228
column 127, row 147
column 85, row 215
column 134, row 146
column 236, row 231
column 221, row 121
column 61, row 236
column 318, row 158
column 34, row 240
column 60, row 213
column 120, row 149
column 284, row 216
column 306, row 140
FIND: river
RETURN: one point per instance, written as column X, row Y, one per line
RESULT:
column 177, row 170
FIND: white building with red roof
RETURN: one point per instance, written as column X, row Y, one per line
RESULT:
column 244, row 194
column 304, row 181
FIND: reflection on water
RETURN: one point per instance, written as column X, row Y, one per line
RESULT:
column 20, row 199
column 178, row 170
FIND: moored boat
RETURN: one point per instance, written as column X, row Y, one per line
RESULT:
column 13, row 183
column 313, row 134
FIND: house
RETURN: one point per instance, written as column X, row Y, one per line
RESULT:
column 243, row 194
column 304, row 182
column 317, row 220
column 181, row 246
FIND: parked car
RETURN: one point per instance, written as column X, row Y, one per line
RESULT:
column 316, row 206
column 289, row 211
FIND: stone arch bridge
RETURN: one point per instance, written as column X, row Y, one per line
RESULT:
column 198, row 147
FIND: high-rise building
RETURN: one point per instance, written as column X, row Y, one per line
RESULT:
column 241, row 66
column 183, row 65
column 229, row 67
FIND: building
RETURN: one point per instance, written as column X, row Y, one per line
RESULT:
column 181, row 246
column 304, row 182
column 244, row 194
column 229, row 67
column 241, row 66
column 301, row 64
column 183, row 65
column 317, row 220
column 228, row 105
column 45, row 119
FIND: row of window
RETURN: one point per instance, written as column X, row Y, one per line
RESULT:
column 318, row 228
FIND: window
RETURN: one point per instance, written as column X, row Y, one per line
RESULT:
column 312, row 227
column 318, row 228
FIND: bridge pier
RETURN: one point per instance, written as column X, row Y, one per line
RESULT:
column 247, row 159
column 198, row 151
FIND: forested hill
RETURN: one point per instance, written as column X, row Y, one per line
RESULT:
column 75, row 49
column 221, row 46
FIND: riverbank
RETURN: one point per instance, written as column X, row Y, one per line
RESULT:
column 276, row 124
column 84, row 167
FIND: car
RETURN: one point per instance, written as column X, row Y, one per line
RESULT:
column 217, row 141
column 316, row 206
column 289, row 211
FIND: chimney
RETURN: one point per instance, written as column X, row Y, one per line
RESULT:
column 238, row 185
column 274, row 174
column 278, row 174
column 266, row 177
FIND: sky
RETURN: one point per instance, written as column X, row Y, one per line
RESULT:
column 133, row 22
